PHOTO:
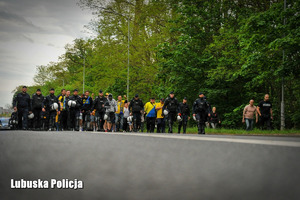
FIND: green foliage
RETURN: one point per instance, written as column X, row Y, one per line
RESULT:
column 230, row 50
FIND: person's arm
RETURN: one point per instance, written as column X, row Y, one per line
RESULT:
column 44, row 103
column 258, row 110
column 271, row 112
column 256, row 116
column 244, row 112
column 15, row 103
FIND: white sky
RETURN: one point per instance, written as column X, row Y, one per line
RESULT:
column 32, row 33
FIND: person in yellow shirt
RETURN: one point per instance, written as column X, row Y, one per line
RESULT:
column 150, row 112
column 161, row 125
column 119, row 113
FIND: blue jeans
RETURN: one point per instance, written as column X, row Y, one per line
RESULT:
column 119, row 117
column 249, row 124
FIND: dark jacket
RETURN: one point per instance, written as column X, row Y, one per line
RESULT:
column 22, row 101
column 87, row 103
column 48, row 101
column 214, row 118
column 136, row 105
column 201, row 106
column 37, row 101
column 78, row 101
column 99, row 104
column 171, row 104
column 184, row 109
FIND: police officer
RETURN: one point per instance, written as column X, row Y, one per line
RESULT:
column 100, row 110
column 171, row 105
column 201, row 110
column 87, row 104
column 136, row 107
column 36, row 102
column 49, row 106
column 62, row 119
column 184, row 113
column 74, row 113
column 22, row 105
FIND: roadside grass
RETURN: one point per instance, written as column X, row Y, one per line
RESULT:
column 223, row 131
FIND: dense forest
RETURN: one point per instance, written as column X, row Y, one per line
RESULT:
column 231, row 51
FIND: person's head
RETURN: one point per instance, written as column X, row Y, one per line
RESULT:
column 38, row 92
column 68, row 93
column 52, row 91
column 100, row 93
column 136, row 97
column 184, row 100
column 75, row 92
column 87, row 93
column 63, row 92
column 106, row 95
column 214, row 109
column 24, row 89
column 171, row 95
column 267, row 97
column 119, row 98
column 201, row 95
column 110, row 97
column 152, row 100
column 162, row 100
column 251, row 102
column 126, row 105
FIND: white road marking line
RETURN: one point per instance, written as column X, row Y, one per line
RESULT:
column 201, row 138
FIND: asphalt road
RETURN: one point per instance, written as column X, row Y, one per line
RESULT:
column 156, row 166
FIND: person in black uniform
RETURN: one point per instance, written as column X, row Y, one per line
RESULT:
column 136, row 107
column 172, row 105
column 87, row 105
column 74, row 113
column 184, row 113
column 22, row 104
column 36, row 102
column 201, row 110
column 100, row 110
column 265, row 112
column 48, row 106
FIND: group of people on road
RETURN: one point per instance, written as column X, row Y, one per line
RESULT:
column 104, row 113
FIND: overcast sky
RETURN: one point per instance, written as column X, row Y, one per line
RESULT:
column 32, row 33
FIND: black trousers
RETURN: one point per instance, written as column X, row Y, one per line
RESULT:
column 267, row 121
column 136, row 121
column 150, row 124
column 22, row 118
column 52, row 116
column 161, row 125
column 125, row 124
column 100, row 120
column 86, row 120
column 183, row 123
column 63, row 120
column 201, row 119
column 171, row 120
column 73, row 118
column 37, row 117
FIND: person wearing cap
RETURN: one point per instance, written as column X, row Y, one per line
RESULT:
column 120, row 113
column 136, row 107
column 36, row 104
column 161, row 125
column 110, row 109
column 99, row 108
column 172, row 105
column 184, row 113
column 86, row 110
column 150, row 112
column 74, row 112
column 48, row 107
column 63, row 117
column 22, row 105
column 201, row 111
